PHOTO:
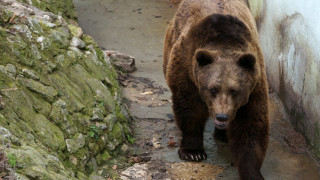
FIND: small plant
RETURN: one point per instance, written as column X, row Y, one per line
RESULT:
column 102, row 104
column 131, row 139
column 95, row 132
column 12, row 159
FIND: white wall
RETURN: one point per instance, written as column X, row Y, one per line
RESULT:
column 290, row 38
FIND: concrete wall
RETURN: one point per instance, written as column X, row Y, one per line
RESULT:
column 290, row 35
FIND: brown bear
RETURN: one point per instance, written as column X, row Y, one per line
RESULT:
column 214, row 66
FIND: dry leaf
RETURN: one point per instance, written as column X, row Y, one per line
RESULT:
column 147, row 93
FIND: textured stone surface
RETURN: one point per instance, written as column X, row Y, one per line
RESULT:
column 75, row 144
column 136, row 172
column 122, row 62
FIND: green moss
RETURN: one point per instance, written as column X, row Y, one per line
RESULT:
column 95, row 132
column 47, row 92
column 119, row 114
column 117, row 132
column 65, row 7
column 4, row 16
column 103, row 157
column 17, row 49
column 88, row 40
column 12, row 159
column 75, row 31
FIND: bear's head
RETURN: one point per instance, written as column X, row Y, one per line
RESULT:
column 225, row 83
column 225, row 66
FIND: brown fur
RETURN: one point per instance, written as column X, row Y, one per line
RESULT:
column 214, row 65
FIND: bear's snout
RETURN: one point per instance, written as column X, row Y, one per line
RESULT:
column 222, row 117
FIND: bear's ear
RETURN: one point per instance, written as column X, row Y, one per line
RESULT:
column 203, row 58
column 247, row 61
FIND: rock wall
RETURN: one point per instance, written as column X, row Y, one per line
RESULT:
column 64, row 8
column 61, row 110
column 289, row 35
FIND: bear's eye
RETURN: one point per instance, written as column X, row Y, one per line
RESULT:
column 214, row 92
column 234, row 92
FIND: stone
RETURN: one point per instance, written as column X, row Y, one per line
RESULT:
column 103, row 157
column 102, row 126
column 47, row 18
column 48, row 24
column 102, row 94
column 88, row 39
column 76, row 51
column 7, row 137
column 117, row 133
column 124, row 148
column 9, row 70
column 35, row 164
column 29, row 74
column 75, row 31
column 48, row 133
column 111, row 121
column 34, row 25
column 75, row 144
column 81, row 176
column 136, row 171
column 50, row 67
column 60, row 38
column 123, row 62
column 73, row 160
column 24, row 29
column 47, row 92
column 92, row 165
column 41, row 40
column 94, row 176
column 104, row 138
column 97, row 115
column 76, row 42
column 111, row 146
column 35, row 52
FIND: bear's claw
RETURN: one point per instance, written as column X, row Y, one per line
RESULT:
column 192, row 155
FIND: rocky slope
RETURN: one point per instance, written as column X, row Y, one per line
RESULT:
column 61, row 110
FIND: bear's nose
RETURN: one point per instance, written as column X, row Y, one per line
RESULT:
column 222, row 117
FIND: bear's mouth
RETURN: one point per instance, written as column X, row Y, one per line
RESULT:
column 220, row 124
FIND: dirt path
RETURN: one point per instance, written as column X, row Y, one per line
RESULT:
column 136, row 27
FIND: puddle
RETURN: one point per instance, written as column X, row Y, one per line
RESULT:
column 137, row 28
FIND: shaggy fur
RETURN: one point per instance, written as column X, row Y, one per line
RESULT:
column 214, row 66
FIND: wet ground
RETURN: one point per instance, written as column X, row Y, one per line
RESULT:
column 137, row 27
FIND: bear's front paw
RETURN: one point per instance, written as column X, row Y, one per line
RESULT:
column 192, row 155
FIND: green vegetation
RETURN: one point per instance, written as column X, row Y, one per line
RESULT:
column 131, row 139
column 95, row 132
column 12, row 159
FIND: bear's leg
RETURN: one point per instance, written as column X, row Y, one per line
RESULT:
column 221, row 135
column 191, row 115
column 248, row 137
column 248, row 153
